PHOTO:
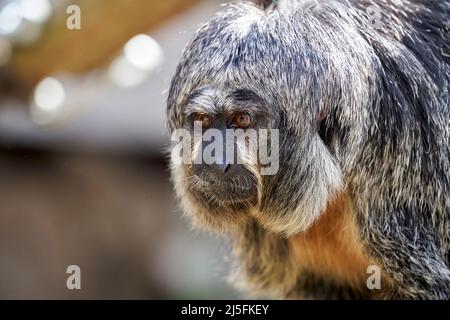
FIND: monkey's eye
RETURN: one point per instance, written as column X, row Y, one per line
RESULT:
column 205, row 120
column 242, row 120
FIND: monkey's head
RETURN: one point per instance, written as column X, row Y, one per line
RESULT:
column 280, row 70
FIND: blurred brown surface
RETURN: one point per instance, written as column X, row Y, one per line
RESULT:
column 104, row 215
column 95, row 191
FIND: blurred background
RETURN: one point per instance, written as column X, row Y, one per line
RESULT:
column 83, row 174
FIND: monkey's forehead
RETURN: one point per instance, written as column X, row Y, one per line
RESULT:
column 284, row 52
column 247, row 41
column 240, row 45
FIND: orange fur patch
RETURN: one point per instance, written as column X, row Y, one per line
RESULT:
column 332, row 247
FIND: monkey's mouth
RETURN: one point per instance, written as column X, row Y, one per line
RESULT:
column 225, row 191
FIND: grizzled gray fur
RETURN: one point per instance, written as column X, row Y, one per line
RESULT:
column 362, row 107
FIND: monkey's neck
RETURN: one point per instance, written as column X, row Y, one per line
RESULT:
column 332, row 247
column 327, row 261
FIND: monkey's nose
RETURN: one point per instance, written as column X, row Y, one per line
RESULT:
column 221, row 164
column 224, row 167
column 219, row 169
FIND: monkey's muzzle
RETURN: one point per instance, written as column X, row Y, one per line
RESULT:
column 224, row 183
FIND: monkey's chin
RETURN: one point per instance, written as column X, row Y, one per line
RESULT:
column 214, row 215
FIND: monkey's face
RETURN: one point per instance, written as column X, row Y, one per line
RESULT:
column 215, row 163
column 248, row 70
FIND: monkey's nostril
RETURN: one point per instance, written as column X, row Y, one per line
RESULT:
column 225, row 167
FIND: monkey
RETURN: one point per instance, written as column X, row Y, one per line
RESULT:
column 358, row 93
